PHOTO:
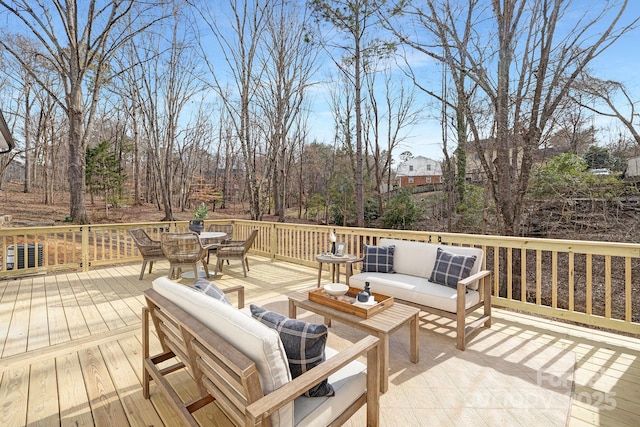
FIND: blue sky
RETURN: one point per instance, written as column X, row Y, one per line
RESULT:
column 620, row 62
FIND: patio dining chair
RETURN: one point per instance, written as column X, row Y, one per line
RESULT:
column 223, row 228
column 150, row 249
column 235, row 249
column 184, row 250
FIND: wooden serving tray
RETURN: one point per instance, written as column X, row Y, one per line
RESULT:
column 346, row 304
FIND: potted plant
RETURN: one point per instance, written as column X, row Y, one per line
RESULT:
column 199, row 214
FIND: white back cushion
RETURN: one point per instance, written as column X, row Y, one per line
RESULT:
column 412, row 258
column 418, row 258
column 255, row 340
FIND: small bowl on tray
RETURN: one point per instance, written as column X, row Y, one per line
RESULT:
column 336, row 289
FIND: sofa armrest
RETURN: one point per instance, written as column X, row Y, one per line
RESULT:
column 240, row 290
column 478, row 276
column 463, row 331
column 482, row 277
column 265, row 406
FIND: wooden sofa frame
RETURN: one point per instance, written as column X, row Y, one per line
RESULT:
column 226, row 376
column 465, row 331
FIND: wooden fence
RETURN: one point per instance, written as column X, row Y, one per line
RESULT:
column 593, row 283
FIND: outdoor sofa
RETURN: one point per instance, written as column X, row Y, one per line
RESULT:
column 241, row 364
column 442, row 279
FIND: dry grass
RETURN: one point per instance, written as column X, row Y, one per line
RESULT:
column 28, row 209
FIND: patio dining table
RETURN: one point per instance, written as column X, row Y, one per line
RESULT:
column 212, row 237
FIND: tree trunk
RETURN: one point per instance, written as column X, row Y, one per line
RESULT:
column 280, row 183
column 77, row 177
column 358, row 108
column 461, row 149
column 136, row 158
column 504, row 170
column 27, row 141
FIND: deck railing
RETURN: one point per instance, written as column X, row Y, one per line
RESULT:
column 594, row 283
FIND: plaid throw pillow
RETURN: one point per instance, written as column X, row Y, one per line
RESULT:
column 378, row 259
column 303, row 342
column 207, row 287
column 451, row 268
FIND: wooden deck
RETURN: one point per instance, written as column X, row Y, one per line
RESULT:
column 70, row 353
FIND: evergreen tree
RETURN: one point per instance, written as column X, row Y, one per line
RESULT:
column 103, row 173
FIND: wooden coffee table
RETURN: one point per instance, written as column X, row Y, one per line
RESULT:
column 381, row 325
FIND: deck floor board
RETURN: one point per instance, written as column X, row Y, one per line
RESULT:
column 57, row 320
column 18, row 332
column 103, row 397
column 73, row 399
column 42, row 407
column 73, row 313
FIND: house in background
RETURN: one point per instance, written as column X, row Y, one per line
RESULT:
column 418, row 171
column 632, row 172
column 14, row 171
column 474, row 171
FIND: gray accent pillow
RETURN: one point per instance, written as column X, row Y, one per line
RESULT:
column 303, row 343
column 378, row 259
column 207, row 287
column 450, row 268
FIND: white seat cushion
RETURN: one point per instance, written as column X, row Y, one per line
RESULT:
column 414, row 289
column 348, row 383
column 257, row 341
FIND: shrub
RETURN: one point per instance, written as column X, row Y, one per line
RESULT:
column 471, row 207
column 565, row 174
column 402, row 211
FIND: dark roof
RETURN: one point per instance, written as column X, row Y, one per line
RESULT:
column 6, row 141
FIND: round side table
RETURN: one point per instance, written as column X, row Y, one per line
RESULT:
column 335, row 262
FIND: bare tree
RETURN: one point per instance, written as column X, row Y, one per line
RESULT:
column 342, row 96
column 239, row 36
column 400, row 112
column 524, row 68
column 163, row 67
column 40, row 126
column 289, row 64
column 436, row 18
column 49, row 159
column 79, row 48
column 20, row 82
column 227, row 153
column 601, row 99
column 355, row 20
column 127, row 88
column 571, row 129
column 316, row 169
column 193, row 155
